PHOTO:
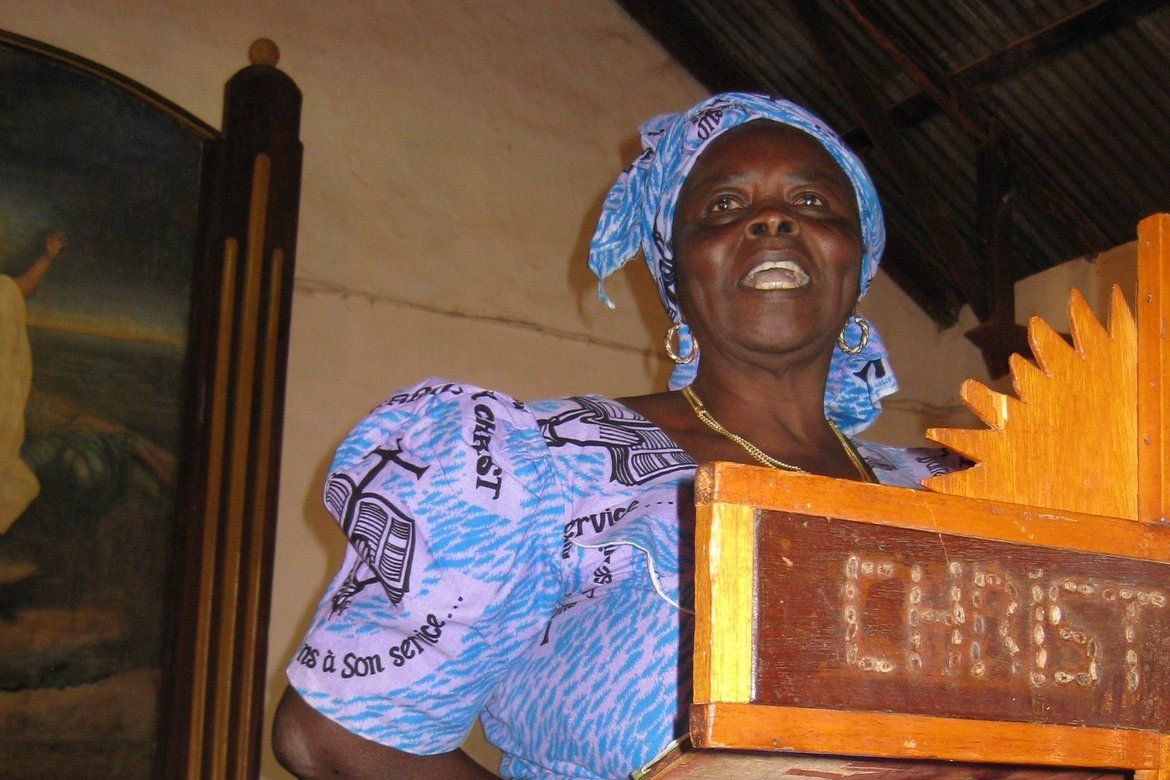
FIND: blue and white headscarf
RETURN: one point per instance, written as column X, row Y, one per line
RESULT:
column 638, row 214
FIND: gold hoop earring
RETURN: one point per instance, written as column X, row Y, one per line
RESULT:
column 862, row 323
column 671, row 333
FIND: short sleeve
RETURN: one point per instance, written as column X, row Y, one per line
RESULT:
column 453, row 512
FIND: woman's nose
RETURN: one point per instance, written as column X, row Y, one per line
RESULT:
column 771, row 222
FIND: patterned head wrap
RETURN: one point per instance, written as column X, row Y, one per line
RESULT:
column 638, row 214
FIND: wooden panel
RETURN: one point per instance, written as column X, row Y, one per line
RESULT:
column 789, row 492
column 1153, row 298
column 855, row 615
column 1163, row 770
column 794, row 729
column 724, row 591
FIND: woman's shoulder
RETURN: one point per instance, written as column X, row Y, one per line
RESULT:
column 439, row 404
column 468, row 433
column 441, row 416
column 438, row 398
column 908, row 466
column 582, row 443
column 435, row 396
column 9, row 292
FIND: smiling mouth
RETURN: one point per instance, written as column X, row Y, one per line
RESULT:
column 775, row 275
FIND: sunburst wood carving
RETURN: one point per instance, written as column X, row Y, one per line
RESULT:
column 1068, row 439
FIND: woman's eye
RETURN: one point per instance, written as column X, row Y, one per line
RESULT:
column 724, row 204
column 808, row 199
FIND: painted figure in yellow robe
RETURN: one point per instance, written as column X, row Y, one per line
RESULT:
column 18, row 484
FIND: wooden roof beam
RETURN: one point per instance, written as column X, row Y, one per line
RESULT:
column 900, row 163
column 1089, row 23
column 999, row 336
column 1096, row 19
column 961, row 105
column 955, row 100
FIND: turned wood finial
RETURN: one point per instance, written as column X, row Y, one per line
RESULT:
column 263, row 51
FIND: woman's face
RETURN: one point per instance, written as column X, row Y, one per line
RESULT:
column 767, row 243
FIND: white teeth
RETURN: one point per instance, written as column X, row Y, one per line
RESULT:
column 776, row 275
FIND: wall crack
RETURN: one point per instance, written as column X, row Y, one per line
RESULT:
column 310, row 285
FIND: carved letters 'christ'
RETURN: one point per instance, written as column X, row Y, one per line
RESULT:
column 921, row 622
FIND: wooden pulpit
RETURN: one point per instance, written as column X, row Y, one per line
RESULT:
column 1015, row 614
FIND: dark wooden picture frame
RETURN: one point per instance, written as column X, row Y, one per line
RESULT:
column 216, row 559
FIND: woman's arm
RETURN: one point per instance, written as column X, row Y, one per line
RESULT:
column 28, row 281
column 310, row 745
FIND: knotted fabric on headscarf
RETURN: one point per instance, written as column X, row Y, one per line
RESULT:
column 638, row 214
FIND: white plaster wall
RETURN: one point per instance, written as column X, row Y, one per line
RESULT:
column 1045, row 294
column 456, row 154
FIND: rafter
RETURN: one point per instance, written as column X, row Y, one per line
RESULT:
column 948, row 245
column 730, row 45
column 1094, row 20
column 917, row 63
column 962, row 107
column 999, row 337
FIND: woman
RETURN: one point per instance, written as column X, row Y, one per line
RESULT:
column 530, row 563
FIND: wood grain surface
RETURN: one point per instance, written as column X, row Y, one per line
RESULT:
column 859, row 616
column 890, row 735
column 725, row 591
column 764, row 488
column 1153, row 310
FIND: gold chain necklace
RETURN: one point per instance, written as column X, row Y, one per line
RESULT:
column 760, row 456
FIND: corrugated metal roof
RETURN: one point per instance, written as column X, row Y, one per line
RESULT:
column 1086, row 104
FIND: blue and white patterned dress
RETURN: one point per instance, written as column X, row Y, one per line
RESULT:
column 520, row 562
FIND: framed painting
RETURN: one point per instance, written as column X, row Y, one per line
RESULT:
column 145, row 282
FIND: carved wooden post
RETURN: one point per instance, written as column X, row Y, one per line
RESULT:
column 1153, row 300
column 249, row 215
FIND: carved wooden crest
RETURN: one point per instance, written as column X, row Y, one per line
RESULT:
column 1067, row 440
